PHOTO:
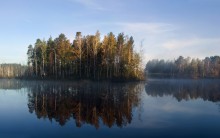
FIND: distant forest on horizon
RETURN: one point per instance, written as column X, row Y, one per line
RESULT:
column 208, row 67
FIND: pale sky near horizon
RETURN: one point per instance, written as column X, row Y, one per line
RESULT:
column 168, row 28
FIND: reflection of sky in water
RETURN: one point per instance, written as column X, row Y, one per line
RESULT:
column 162, row 112
column 154, row 116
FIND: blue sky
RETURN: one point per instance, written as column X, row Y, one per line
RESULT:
column 167, row 28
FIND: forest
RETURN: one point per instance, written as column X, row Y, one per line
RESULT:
column 87, row 57
column 184, row 68
column 12, row 70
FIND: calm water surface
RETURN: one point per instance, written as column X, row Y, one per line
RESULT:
column 157, row 108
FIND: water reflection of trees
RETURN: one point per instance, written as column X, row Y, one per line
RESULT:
column 185, row 89
column 10, row 84
column 86, row 103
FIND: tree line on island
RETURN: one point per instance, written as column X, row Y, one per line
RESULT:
column 184, row 68
column 87, row 57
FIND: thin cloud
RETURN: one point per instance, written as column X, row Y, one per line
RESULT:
column 195, row 47
column 148, row 28
column 192, row 42
column 92, row 4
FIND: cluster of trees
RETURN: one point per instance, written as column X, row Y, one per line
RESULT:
column 12, row 70
column 86, row 57
column 208, row 90
column 185, row 67
column 87, row 103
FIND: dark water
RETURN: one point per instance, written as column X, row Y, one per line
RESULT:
column 157, row 108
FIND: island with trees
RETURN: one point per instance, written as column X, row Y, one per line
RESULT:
column 87, row 57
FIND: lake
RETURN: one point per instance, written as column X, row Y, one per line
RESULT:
column 156, row 108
